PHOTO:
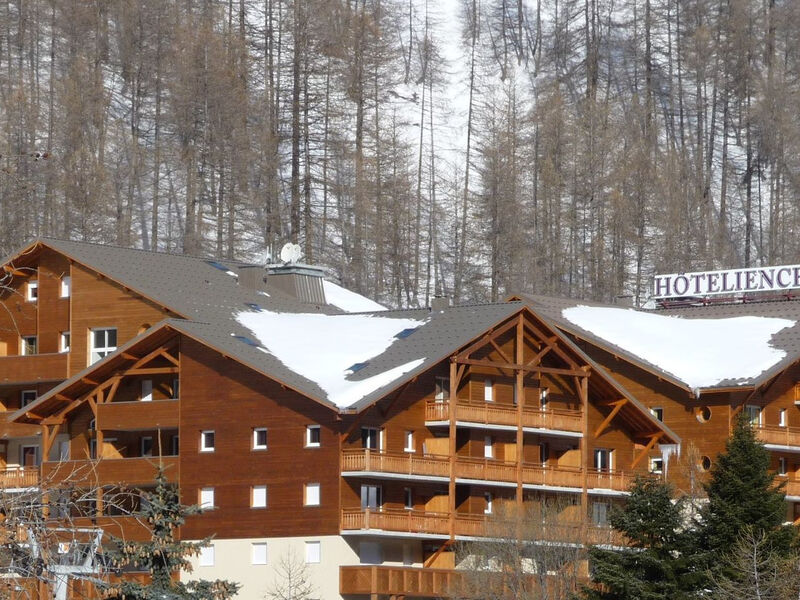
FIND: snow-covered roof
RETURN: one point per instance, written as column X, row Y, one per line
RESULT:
column 699, row 352
column 348, row 301
column 330, row 349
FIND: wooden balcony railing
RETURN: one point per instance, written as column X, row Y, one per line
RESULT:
column 471, row 525
column 34, row 367
column 364, row 459
column 132, row 416
column 482, row 469
column 792, row 486
column 402, row 581
column 489, row 413
column 21, row 477
column 782, row 436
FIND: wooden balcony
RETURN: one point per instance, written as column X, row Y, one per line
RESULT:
column 780, row 436
column 489, row 413
column 133, row 416
column 471, row 525
column 33, row 368
column 16, row 430
column 364, row 459
column 22, row 477
column 401, row 581
column 130, row 471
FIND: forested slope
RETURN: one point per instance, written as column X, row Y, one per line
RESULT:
column 416, row 147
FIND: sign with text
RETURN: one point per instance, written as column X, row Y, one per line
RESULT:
column 732, row 281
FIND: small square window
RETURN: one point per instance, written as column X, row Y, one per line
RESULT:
column 207, row 441
column 259, row 553
column 146, row 446
column 658, row 413
column 32, row 291
column 657, row 465
column 260, row 438
column 63, row 345
column 312, row 436
column 258, row 496
column 206, row 558
column 27, row 397
column 206, row 498
column 66, row 285
column 103, row 342
column 313, row 552
column 409, row 439
column 311, row 494
column 28, row 345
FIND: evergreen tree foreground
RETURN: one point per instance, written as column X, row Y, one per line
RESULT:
column 162, row 556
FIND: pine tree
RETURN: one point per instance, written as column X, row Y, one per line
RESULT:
column 163, row 555
column 655, row 566
column 743, row 496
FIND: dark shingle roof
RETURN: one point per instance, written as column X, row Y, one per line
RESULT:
column 787, row 339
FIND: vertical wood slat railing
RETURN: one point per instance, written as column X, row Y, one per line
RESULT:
column 366, row 459
column 20, row 477
column 775, row 434
column 428, row 583
column 609, row 479
column 489, row 413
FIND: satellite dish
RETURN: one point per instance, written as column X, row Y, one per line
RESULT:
column 290, row 253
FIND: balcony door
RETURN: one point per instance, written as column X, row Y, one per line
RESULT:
column 371, row 497
column 603, row 459
column 29, row 456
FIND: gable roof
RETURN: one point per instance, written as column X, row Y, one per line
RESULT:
column 775, row 326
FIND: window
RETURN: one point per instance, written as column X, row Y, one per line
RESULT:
column 600, row 513
column 259, row 553
column 175, row 445
column 703, row 414
column 488, row 447
column 32, row 291
column 63, row 450
column 312, row 436
column 753, row 414
column 705, row 463
column 543, row 397
column 258, row 496
column 657, row 465
column 311, row 494
column 103, row 343
column 487, row 496
column 27, row 396
column 371, row 438
column 409, row 441
column 147, row 390
column 408, row 499
column 176, row 388
column 260, row 438
column 29, row 456
column 658, row 413
column 371, row 497
column 781, row 465
column 206, row 498
column 313, row 552
column 146, row 446
column 28, row 345
column 93, row 449
column 207, row 441
column 488, row 390
column 442, row 389
column 782, row 417
column 603, row 459
column 544, row 453
column 206, row 557
column 63, row 344
column 66, row 284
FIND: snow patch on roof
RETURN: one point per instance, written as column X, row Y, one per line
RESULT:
column 699, row 352
column 323, row 348
column 348, row 301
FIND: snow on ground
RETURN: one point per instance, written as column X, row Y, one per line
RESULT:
column 699, row 352
column 348, row 301
column 323, row 348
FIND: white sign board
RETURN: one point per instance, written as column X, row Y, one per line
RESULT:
column 732, row 281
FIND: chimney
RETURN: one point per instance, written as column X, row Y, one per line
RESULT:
column 301, row 282
column 252, row 277
column 440, row 303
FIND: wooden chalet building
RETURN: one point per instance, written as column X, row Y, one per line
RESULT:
column 362, row 444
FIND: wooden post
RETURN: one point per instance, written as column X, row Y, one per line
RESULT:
column 519, row 382
column 452, row 433
column 99, row 447
column 584, row 390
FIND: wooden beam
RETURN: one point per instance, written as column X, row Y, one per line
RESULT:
column 499, row 350
column 113, row 391
column 491, row 335
column 151, row 371
column 432, row 558
column 385, row 411
column 653, row 439
column 607, row 421
column 533, row 369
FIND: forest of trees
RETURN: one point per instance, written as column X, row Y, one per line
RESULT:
column 470, row 148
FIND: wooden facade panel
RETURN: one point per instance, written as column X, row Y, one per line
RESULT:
column 52, row 308
column 158, row 414
column 39, row 367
